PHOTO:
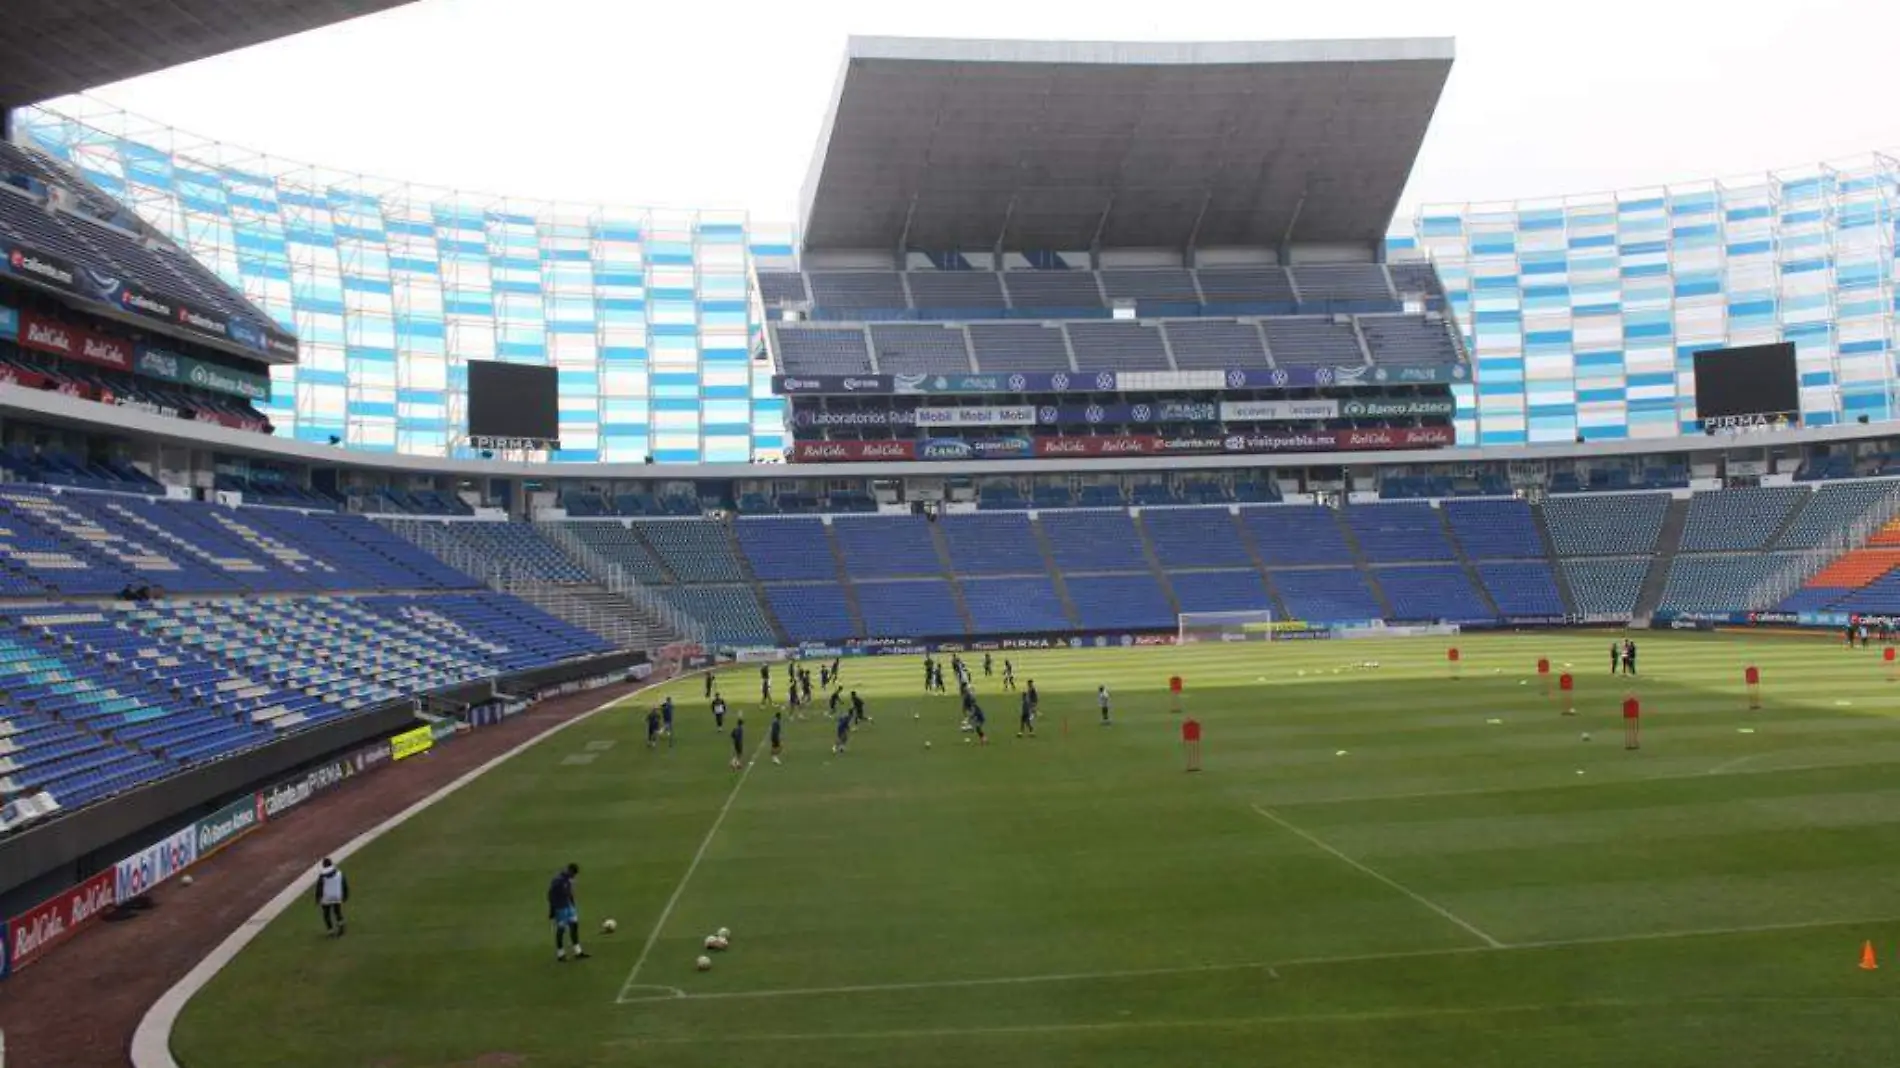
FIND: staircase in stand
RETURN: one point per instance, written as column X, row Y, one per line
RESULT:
column 1055, row 574
column 950, row 575
column 1464, row 561
column 1667, row 543
column 845, row 584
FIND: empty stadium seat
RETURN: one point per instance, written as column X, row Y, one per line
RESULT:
column 1606, row 586
column 1606, row 524
column 1296, row 534
column 1431, row 593
column 991, row 543
column 1015, row 605
column 1391, row 533
column 1119, row 602
column 812, row 612
column 1195, row 537
column 1736, row 519
column 1523, row 588
column 1092, row 540
column 1494, row 529
column 1327, row 595
column 784, row 549
column 886, row 546
column 908, row 608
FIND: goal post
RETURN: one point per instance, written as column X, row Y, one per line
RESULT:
column 1254, row 626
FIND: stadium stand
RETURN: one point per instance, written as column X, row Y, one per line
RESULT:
column 1495, row 529
column 1718, row 582
column 994, row 543
column 1407, row 340
column 957, row 294
column 730, row 611
column 1120, row 346
column 1731, row 520
column 913, row 608
column 1029, row 347
column 618, row 544
column 1523, row 588
column 1833, row 509
column 1312, row 343
column 1296, row 534
column 786, row 549
column 813, row 350
column 1398, row 532
column 1193, row 537
column 1363, row 286
column 1215, row 344
column 1327, row 595
column 1221, row 591
column 886, row 547
column 1431, row 593
column 1094, row 540
column 1054, row 294
column 1610, row 524
column 1014, row 606
column 1606, row 586
column 694, row 550
column 812, row 612
column 908, row 349
column 1119, row 602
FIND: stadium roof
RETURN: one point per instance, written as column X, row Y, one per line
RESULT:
column 54, row 47
column 1065, row 146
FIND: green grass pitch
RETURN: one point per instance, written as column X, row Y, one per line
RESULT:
column 1369, row 871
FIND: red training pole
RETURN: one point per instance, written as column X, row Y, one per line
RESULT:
column 1887, row 655
column 1191, row 743
column 1543, row 674
column 1752, row 676
column 1632, row 713
column 1451, row 657
column 1568, row 686
column 1174, row 693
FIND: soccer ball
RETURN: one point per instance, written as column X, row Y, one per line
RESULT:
column 185, row 880
column 725, row 933
column 713, row 941
column 916, row 715
column 608, row 927
column 704, row 964
column 1586, row 736
column 926, row 743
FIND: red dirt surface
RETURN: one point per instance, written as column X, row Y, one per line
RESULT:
column 79, row 1006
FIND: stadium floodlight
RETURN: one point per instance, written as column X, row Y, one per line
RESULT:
column 1253, row 626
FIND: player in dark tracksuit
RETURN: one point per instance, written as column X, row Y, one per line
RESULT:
column 709, row 685
column 719, row 713
column 653, row 727
column 857, row 709
column 778, row 724
column 738, row 743
column 1026, row 720
column 986, row 666
column 565, row 913
column 1009, row 675
column 666, row 720
column 844, row 733
column 976, row 723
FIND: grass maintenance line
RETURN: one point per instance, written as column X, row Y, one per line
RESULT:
column 1441, row 910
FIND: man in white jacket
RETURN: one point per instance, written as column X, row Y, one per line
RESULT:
column 332, row 891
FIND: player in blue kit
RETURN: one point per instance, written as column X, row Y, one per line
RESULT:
column 976, row 723
column 653, row 727
column 738, row 743
column 666, row 720
column 844, row 733
column 778, row 725
column 1026, row 719
column 565, row 913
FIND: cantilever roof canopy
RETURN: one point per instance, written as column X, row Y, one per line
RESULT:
column 53, row 47
column 1018, row 145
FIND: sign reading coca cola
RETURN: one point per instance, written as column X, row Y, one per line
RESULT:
column 77, row 343
column 1124, row 445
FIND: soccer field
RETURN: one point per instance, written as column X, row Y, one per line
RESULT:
column 1378, row 866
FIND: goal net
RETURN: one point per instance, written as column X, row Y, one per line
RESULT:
column 1256, row 626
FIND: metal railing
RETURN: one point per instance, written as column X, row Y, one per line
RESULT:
column 1806, row 563
column 620, row 580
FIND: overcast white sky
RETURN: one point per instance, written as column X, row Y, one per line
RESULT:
column 679, row 105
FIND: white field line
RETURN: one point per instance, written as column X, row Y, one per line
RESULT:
column 667, row 912
column 1270, row 967
column 1469, row 927
column 1730, row 765
column 151, row 1042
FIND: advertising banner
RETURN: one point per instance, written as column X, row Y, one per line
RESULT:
column 36, row 266
column 228, row 824
column 1397, row 407
column 73, row 342
column 285, row 796
column 155, row 863
column 32, row 933
column 9, row 323
column 187, row 371
column 867, row 417
column 1125, row 445
column 833, row 452
column 411, row 742
column 1153, row 412
column 1123, row 381
column 1011, row 415
column 1269, row 411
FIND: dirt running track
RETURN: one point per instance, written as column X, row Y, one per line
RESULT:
column 79, row 1006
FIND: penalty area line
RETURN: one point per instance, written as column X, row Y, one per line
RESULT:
column 667, row 912
column 1441, row 910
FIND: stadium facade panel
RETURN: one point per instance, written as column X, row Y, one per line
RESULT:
column 1581, row 314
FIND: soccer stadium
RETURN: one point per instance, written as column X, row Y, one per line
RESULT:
column 411, row 599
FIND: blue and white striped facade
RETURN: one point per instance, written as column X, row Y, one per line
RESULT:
column 1580, row 314
column 390, row 289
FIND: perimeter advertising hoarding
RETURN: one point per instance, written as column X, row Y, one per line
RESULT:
column 31, row 934
column 1008, row 415
column 1119, row 381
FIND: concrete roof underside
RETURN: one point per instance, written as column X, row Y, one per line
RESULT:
column 49, row 48
column 1010, row 145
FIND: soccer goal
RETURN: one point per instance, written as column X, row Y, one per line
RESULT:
column 1256, row 626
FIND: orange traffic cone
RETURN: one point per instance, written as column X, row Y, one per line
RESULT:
column 1867, row 963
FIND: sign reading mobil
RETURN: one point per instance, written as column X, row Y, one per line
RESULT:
column 156, row 863
column 1010, row 415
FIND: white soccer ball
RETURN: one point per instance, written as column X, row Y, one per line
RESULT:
column 725, row 933
column 926, row 743
column 704, row 964
column 608, row 927
column 712, row 941
column 184, row 880
column 1586, row 736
